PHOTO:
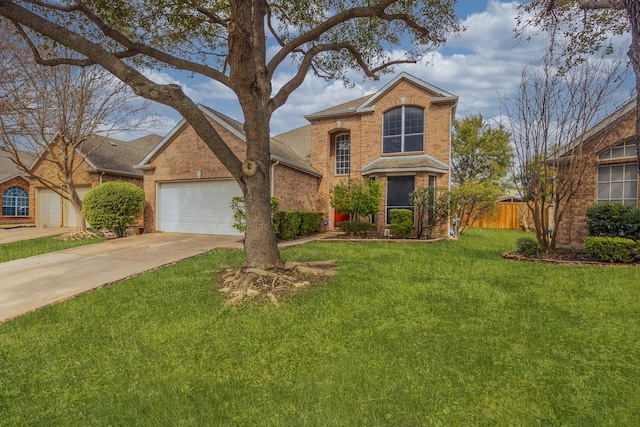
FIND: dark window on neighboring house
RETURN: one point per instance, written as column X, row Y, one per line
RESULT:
column 618, row 184
column 343, row 154
column 403, row 130
column 398, row 189
column 15, row 202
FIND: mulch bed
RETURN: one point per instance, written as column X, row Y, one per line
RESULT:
column 569, row 256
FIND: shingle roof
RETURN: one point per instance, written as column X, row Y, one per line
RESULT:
column 115, row 156
column 341, row 109
column 405, row 164
column 8, row 169
column 299, row 140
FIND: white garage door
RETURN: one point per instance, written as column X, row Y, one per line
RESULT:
column 201, row 207
column 48, row 204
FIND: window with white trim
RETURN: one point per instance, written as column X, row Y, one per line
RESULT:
column 343, row 154
column 618, row 183
column 15, row 202
column 624, row 149
column 403, row 130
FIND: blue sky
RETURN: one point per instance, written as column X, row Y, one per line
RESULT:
column 481, row 64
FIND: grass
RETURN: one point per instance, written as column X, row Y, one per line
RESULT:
column 41, row 245
column 407, row 334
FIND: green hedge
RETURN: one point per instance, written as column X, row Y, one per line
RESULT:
column 292, row 224
column 401, row 223
column 611, row 249
column 613, row 220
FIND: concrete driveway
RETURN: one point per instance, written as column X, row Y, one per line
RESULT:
column 8, row 235
column 31, row 283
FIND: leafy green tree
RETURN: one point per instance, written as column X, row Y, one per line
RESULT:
column 226, row 41
column 113, row 205
column 472, row 200
column 478, row 151
column 360, row 198
column 432, row 208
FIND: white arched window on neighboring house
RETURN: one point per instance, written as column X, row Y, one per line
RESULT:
column 15, row 202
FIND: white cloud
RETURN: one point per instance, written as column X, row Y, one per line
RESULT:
column 484, row 62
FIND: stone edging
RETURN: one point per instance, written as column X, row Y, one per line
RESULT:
column 509, row 255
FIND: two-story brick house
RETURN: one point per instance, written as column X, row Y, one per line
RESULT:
column 400, row 136
column 609, row 153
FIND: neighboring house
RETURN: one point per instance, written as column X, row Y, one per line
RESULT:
column 100, row 159
column 611, row 176
column 14, row 192
column 400, row 136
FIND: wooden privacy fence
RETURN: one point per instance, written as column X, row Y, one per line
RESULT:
column 507, row 216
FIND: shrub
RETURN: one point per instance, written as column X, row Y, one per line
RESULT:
column 112, row 206
column 360, row 198
column 401, row 223
column 527, row 246
column 613, row 220
column 288, row 224
column 310, row 222
column 240, row 215
column 611, row 249
column 355, row 228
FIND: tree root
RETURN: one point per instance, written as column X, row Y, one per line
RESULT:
column 273, row 286
column 79, row 235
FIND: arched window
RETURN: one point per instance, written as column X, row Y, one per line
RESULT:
column 403, row 130
column 343, row 154
column 15, row 202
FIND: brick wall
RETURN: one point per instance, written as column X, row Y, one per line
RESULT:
column 295, row 190
column 366, row 142
column 22, row 183
column 572, row 228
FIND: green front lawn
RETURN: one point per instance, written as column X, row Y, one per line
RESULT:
column 406, row 335
column 41, row 245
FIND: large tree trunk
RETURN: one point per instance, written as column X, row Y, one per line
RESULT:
column 76, row 202
column 250, row 81
column 260, row 245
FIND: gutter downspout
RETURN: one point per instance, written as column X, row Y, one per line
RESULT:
column 273, row 178
column 100, row 177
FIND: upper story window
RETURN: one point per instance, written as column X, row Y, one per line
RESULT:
column 343, row 154
column 403, row 130
column 622, row 150
column 15, row 202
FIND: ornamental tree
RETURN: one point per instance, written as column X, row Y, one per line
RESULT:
column 359, row 198
column 241, row 44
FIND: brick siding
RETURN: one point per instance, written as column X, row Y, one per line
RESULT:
column 572, row 228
